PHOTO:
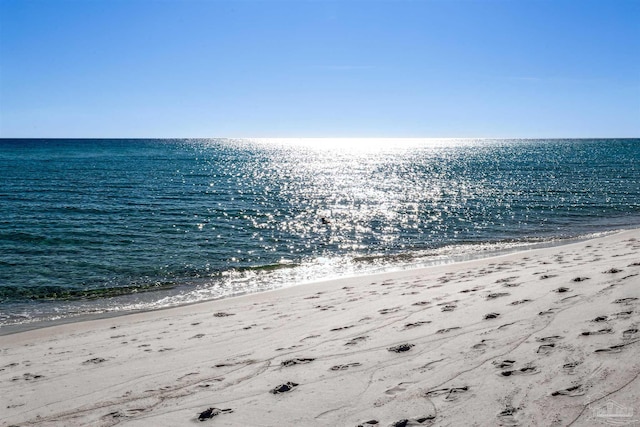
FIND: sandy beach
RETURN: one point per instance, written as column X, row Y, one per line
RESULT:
column 545, row 337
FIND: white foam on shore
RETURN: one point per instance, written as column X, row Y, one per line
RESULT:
column 25, row 316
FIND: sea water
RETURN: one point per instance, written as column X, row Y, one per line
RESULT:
column 93, row 226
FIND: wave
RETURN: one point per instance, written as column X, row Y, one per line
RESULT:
column 9, row 293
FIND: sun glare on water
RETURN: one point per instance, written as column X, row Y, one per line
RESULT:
column 360, row 144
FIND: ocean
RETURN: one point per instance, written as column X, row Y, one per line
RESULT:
column 109, row 226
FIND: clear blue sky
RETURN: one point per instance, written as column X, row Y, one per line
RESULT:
column 350, row 68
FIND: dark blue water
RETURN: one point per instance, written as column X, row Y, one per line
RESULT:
column 100, row 225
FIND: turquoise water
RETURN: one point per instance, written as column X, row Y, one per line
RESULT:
column 109, row 225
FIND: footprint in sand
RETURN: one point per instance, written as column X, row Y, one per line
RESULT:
column 576, row 390
column 428, row 365
column 94, row 361
column 389, row 310
column 416, row 421
column 508, row 416
column 503, row 363
column 284, row 388
column 28, row 377
column 416, row 324
column 451, row 393
column 341, row 328
column 212, row 412
column 401, row 348
column 497, row 295
column 507, row 279
column 622, row 314
column 292, row 362
column 445, row 330
column 545, row 348
column 552, row 338
column 511, row 285
column 570, row 367
column 612, row 349
column 397, row 389
column 482, row 344
column 625, row 300
column 527, row 370
column 223, row 314
column 114, row 414
column 356, row 340
column 288, row 348
column 580, row 279
column 598, row 332
column 345, row 366
column 369, row 423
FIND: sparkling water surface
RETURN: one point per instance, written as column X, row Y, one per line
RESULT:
column 90, row 226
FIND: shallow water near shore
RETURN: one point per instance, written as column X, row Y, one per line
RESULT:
column 91, row 226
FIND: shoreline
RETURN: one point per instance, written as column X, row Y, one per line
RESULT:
column 447, row 260
column 499, row 339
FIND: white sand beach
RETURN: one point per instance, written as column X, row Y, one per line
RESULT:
column 545, row 337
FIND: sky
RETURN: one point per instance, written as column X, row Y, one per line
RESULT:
column 319, row 68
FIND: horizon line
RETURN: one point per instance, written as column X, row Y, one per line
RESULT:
column 320, row 137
